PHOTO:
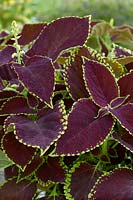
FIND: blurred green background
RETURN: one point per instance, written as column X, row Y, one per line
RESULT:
column 29, row 11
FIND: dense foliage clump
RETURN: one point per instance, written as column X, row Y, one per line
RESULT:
column 66, row 111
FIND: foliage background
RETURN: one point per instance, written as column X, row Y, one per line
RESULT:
column 25, row 11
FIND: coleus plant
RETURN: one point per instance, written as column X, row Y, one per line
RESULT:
column 66, row 114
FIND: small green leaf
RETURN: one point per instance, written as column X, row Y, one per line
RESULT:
column 4, row 161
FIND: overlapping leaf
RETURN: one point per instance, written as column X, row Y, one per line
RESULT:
column 85, row 130
column 11, row 172
column 30, row 33
column 124, row 114
column 24, row 190
column 82, row 181
column 16, row 151
column 117, row 185
column 16, row 105
column 74, row 79
column 31, row 167
column 51, row 171
column 126, row 86
column 126, row 139
column 100, row 82
column 59, row 35
column 42, row 131
column 38, row 77
column 121, row 52
column 6, row 54
column 7, row 73
column 119, row 101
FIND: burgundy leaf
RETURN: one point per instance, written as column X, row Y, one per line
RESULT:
column 126, row 86
column 3, row 35
column 51, row 171
column 38, row 77
column 6, row 54
column 16, row 151
column 74, row 79
column 124, row 114
column 117, row 154
column 100, row 82
column 34, row 102
column 11, row 171
column 85, row 130
column 118, row 185
column 118, row 101
column 4, row 95
column 16, row 105
column 31, row 167
column 41, row 132
column 59, row 35
column 126, row 140
column 2, row 119
column 6, row 73
column 24, row 190
column 82, row 181
column 30, row 33
column 120, row 51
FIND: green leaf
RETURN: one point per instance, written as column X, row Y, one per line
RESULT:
column 4, row 161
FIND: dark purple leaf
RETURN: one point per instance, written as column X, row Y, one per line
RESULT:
column 6, row 54
column 124, row 114
column 82, row 181
column 117, row 154
column 126, row 86
column 16, row 105
column 120, row 52
column 126, row 139
column 51, row 171
column 3, row 34
column 118, row 101
column 31, row 167
column 2, row 119
column 16, row 151
column 34, row 102
column 24, row 190
column 74, row 79
column 59, row 35
column 100, row 82
column 118, row 185
column 38, row 77
column 85, row 130
column 11, row 171
column 41, row 132
column 6, row 73
column 68, row 103
column 30, row 33
column 4, row 95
